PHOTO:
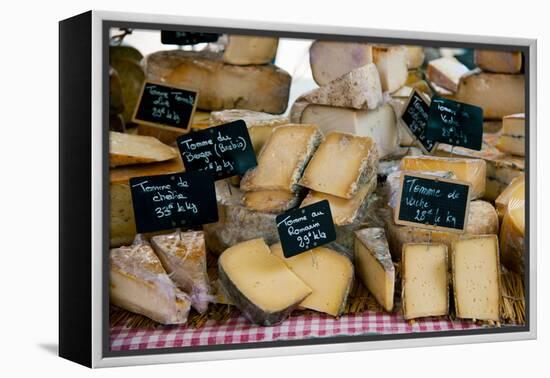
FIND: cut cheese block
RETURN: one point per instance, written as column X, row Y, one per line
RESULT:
column 342, row 164
column 359, row 89
column 503, row 199
column 498, row 94
column 259, row 283
column 245, row 49
column 425, row 291
column 263, row 88
column 116, row 102
column 374, row 265
column 328, row 273
column 260, row 125
column 482, row 220
column 139, row 283
column 125, row 52
column 330, row 59
column 122, row 225
column 131, row 76
column 415, row 56
column 512, row 135
column 498, row 61
column 446, row 72
column 183, row 255
column 391, row 62
column 379, row 124
column 344, row 211
column 512, row 232
column 127, row 149
column 283, row 158
column 270, row 201
column 476, row 278
column 472, row 171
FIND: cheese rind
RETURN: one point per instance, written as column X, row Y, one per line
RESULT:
column 415, row 56
column 446, row 72
column 374, row 265
column 472, row 171
column 138, row 283
column 259, row 283
column 283, row 158
column 270, row 201
column 328, row 273
column 498, row 61
column 512, row 232
column 341, row 165
column 263, row 88
column 503, row 199
column 425, row 289
column 244, row 49
column 183, row 256
column 476, row 277
column 128, row 149
column 512, row 135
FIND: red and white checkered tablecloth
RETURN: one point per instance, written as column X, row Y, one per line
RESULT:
column 238, row 330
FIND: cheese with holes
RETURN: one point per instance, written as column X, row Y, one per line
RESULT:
column 379, row 124
column 259, row 283
column 264, row 88
column 245, row 49
column 512, row 135
column 127, row 149
column 341, row 165
column 374, row 265
column 476, row 277
column 344, row 211
column 425, row 291
column 497, row 94
column 482, row 219
column 283, row 158
column 415, row 56
column 328, row 273
column 512, row 232
column 498, row 61
column 270, row 201
column 503, row 199
column 446, row 72
column 183, row 255
column 472, row 171
column 391, row 62
column 139, row 283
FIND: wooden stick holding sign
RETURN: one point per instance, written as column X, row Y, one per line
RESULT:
column 166, row 106
column 434, row 203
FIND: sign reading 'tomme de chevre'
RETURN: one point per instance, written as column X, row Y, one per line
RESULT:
column 431, row 202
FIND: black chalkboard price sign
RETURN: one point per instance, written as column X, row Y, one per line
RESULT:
column 175, row 200
column 433, row 203
column 455, row 123
column 167, row 106
column 223, row 151
column 305, row 228
column 169, row 37
column 415, row 117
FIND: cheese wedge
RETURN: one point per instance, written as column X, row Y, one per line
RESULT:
column 183, row 255
column 283, row 158
column 512, row 135
column 374, row 265
column 446, row 72
column 476, row 278
column 472, row 171
column 503, row 199
column 415, row 57
column 512, row 232
column 270, row 201
column 259, row 283
column 263, row 88
column 127, row 149
column 328, row 273
column 138, row 283
column 379, row 124
column 131, row 76
column 498, row 61
column 425, row 291
column 391, row 62
column 342, row 164
column 245, row 49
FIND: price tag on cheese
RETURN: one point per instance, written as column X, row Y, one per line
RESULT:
column 224, row 150
column 431, row 202
column 415, row 117
column 455, row 123
column 169, row 37
column 305, row 228
column 175, row 200
column 166, row 106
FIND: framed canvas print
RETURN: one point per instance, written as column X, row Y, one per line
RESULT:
column 234, row 189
